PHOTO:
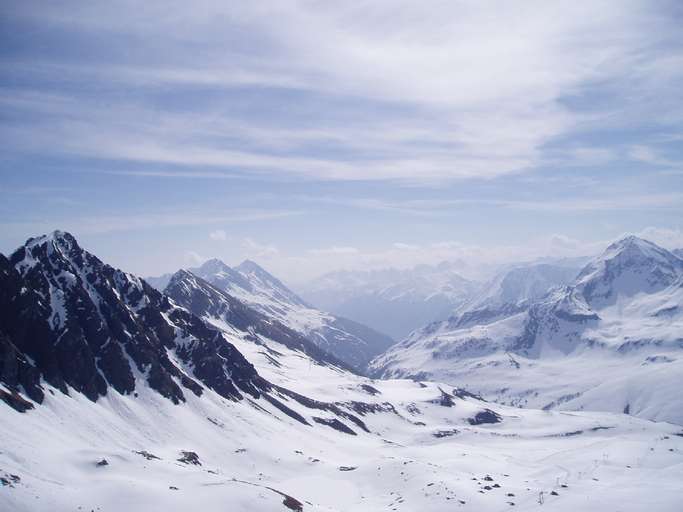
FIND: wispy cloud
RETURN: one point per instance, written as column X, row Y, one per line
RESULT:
column 334, row 250
column 254, row 249
column 409, row 94
column 439, row 207
column 472, row 260
column 100, row 224
column 218, row 235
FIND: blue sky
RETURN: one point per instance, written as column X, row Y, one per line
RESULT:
column 312, row 136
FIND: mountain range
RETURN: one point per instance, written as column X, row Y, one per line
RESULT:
column 609, row 340
column 392, row 300
column 399, row 301
column 348, row 341
column 115, row 396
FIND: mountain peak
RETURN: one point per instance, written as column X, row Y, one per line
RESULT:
column 61, row 238
column 264, row 280
column 632, row 248
column 57, row 246
column 251, row 266
column 213, row 266
column 632, row 242
column 628, row 266
column 181, row 275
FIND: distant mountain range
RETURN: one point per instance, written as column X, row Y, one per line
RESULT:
column 609, row 340
column 392, row 300
column 346, row 340
column 400, row 301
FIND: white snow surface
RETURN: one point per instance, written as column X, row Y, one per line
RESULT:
column 422, row 457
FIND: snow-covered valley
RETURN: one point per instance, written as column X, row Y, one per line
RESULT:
column 419, row 455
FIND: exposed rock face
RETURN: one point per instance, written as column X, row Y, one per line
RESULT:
column 347, row 341
column 78, row 323
column 216, row 306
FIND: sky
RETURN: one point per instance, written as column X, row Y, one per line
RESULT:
column 312, row 136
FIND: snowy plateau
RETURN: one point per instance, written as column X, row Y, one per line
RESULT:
column 225, row 392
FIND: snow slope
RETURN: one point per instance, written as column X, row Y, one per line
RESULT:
column 612, row 341
column 420, row 454
column 353, row 343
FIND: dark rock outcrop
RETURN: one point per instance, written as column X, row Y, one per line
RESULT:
column 82, row 325
column 207, row 301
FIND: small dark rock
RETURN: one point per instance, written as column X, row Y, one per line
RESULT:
column 335, row 424
column 483, row 417
column 189, row 458
column 554, row 493
column 445, row 433
column 103, row 462
column 147, row 455
column 370, row 390
column 293, row 504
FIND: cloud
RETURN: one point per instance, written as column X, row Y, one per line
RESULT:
column 474, row 261
column 563, row 242
column 254, row 249
column 334, row 250
column 649, row 155
column 111, row 223
column 415, row 95
column 194, row 258
column 404, row 247
column 669, row 238
column 616, row 200
column 218, row 235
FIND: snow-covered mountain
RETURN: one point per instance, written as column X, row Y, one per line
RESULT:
column 73, row 323
column 348, row 341
column 225, row 312
column 519, row 285
column 392, row 300
column 612, row 340
column 130, row 401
